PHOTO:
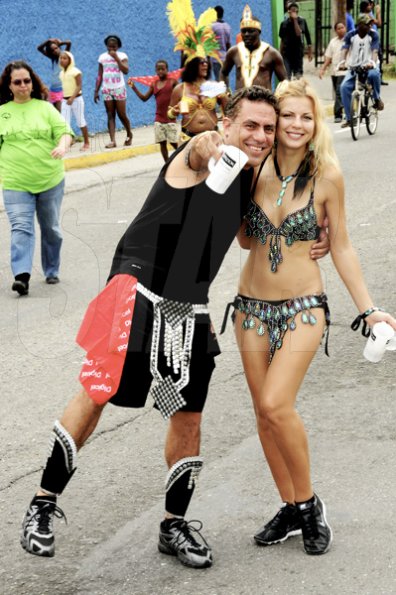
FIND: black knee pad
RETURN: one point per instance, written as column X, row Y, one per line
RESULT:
column 180, row 484
column 62, row 461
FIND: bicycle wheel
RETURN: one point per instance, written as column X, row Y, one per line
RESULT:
column 371, row 115
column 355, row 114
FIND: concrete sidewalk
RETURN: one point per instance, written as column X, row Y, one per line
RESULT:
column 97, row 154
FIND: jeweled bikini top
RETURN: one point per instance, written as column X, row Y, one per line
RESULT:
column 301, row 225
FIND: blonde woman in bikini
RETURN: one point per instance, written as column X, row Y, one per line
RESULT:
column 281, row 310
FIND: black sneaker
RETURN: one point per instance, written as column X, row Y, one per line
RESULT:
column 52, row 280
column 21, row 287
column 285, row 523
column 176, row 539
column 37, row 536
column 317, row 534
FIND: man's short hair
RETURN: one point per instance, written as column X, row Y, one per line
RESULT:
column 253, row 93
column 293, row 5
column 220, row 11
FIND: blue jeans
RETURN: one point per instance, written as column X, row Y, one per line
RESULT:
column 21, row 207
column 348, row 85
column 216, row 67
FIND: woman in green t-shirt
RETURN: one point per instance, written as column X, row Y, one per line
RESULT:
column 33, row 140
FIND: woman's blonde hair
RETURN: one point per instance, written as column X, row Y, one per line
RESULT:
column 321, row 154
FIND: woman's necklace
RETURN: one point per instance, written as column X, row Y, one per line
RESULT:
column 285, row 181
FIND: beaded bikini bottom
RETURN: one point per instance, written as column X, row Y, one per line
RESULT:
column 276, row 317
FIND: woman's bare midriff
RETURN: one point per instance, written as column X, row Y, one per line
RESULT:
column 201, row 121
column 297, row 275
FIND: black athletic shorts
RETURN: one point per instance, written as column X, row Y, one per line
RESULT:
column 136, row 376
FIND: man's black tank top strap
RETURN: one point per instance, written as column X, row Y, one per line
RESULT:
column 178, row 240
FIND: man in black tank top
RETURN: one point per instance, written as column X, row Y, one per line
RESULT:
column 150, row 325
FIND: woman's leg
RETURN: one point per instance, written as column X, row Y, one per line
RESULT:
column 254, row 352
column 48, row 215
column 110, row 106
column 66, row 111
column 274, row 391
column 122, row 114
column 78, row 108
column 20, row 208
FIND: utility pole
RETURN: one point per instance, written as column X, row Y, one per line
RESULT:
column 339, row 11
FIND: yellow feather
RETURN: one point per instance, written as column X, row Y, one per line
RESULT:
column 207, row 18
column 180, row 14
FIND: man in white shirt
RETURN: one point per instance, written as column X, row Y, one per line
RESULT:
column 333, row 55
column 361, row 49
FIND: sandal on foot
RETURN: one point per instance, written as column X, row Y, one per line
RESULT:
column 128, row 141
column 110, row 146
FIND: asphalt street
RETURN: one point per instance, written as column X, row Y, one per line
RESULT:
column 115, row 501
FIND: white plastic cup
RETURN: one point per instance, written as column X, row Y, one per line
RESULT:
column 183, row 106
column 224, row 171
column 380, row 336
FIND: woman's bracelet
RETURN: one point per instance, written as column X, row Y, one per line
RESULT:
column 356, row 323
column 171, row 113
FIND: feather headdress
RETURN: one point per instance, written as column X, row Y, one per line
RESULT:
column 194, row 39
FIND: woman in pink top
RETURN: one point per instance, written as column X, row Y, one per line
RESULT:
column 113, row 64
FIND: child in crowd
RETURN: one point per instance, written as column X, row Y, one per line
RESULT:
column 51, row 48
column 73, row 101
column 113, row 64
column 165, row 130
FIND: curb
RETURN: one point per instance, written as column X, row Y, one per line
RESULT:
column 85, row 161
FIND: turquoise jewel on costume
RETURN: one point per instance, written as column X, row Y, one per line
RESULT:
column 284, row 326
column 285, row 310
column 245, row 324
column 306, row 302
column 279, row 344
column 313, row 300
column 312, row 319
column 252, row 323
column 292, row 311
column 297, row 305
column 304, row 318
column 285, row 181
column 261, row 330
column 293, row 325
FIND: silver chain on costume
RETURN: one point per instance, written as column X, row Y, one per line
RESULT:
column 178, row 317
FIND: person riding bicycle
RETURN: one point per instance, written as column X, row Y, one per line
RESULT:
column 360, row 49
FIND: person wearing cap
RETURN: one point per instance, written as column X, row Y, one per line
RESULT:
column 255, row 60
column 360, row 49
column 292, row 32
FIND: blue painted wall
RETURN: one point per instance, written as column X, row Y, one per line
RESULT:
column 142, row 26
